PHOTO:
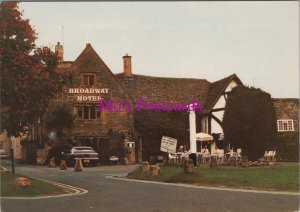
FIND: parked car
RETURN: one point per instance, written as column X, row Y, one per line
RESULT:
column 87, row 155
column 3, row 154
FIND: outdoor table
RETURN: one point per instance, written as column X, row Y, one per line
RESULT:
column 179, row 154
column 204, row 156
column 199, row 156
column 235, row 158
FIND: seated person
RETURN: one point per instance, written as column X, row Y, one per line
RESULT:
column 180, row 149
column 205, row 154
column 205, row 150
column 219, row 154
column 217, row 151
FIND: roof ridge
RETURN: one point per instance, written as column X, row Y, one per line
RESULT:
column 225, row 78
column 179, row 78
column 216, row 89
column 288, row 98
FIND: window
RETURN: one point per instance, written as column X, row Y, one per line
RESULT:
column 285, row 125
column 130, row 144
column 88, row 79
column 87, row 112
column 92, row 112
column 79, row 112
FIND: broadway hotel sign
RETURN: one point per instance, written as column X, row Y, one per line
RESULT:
column 88, row 91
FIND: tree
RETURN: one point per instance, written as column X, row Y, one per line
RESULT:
column 29, row 77
column 60, row 118
column 249, row 121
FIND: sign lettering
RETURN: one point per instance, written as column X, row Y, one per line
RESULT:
column 168, row 144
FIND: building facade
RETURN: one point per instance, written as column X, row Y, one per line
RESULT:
column 141, row 130
column 92, row 80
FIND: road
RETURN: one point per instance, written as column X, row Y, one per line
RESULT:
column 106, row 194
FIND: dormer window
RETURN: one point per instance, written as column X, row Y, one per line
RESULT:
column 88, row 79
column 285, row 125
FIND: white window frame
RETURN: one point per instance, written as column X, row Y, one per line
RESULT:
column 130, row 144
column 281, row 125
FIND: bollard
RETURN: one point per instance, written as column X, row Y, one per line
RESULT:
column 78, row 166
column 63, row 165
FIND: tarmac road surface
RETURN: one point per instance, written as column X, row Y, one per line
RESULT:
column 106, row 194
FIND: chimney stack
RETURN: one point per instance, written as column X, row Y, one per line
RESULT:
column 127, row 65
column 59, row 51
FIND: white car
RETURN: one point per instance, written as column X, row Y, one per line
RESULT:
column 3, row 154
column 85, row 153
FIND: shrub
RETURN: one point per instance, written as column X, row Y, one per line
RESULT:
column 249, row 121
column 287, row 147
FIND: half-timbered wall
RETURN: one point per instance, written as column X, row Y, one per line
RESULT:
column 220, row 107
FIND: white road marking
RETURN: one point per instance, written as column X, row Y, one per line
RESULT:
column 71, row 191
column 206, row 187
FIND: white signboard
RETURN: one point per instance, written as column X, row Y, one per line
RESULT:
column 168, row 144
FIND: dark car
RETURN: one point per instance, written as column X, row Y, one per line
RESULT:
column 86, row 154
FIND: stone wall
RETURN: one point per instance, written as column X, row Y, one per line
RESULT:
column 89, row 62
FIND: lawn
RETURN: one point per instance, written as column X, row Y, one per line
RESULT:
column 277, row 177
column 38, row 188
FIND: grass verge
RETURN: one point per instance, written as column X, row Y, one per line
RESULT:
column 38, row 188
column 278, row 177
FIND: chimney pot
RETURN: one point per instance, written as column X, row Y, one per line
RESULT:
column 59, row 51
column 127, row 65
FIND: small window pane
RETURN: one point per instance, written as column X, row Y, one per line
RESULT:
column 79, row 112
column 86, row 112
column 285, row 125
column 85, row 80
column 290, row 125
column 98, row 113
column 91, row 80
column 92, row 112
column 88, row 79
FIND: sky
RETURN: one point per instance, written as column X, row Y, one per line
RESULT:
column 258, row 41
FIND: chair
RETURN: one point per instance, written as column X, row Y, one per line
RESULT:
column 228, row 155
column 265, row 158
column 205, row 157
column 173, row 158
column 235, row 158
column 239, row 153
column 185, row 154
column 220, row 156
column 199, row 157
column 272, row 157
column 269, row 156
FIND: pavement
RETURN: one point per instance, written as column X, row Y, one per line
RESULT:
column 105, row 193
